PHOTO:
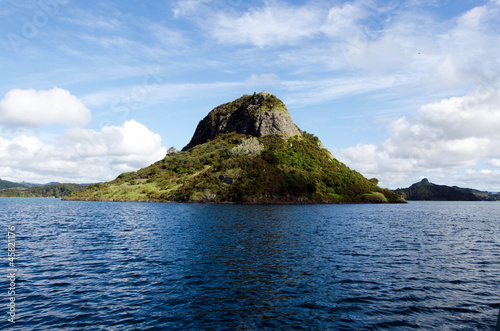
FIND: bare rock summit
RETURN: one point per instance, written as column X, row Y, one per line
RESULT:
column 257, row 115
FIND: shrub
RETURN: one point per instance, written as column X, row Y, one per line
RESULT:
column 373, row 197
column 248, row 146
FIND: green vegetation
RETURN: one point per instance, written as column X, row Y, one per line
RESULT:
column 6, row 184
column 45, row 191
column 248, row 146
column 239, row 169
column 374, row 197
column 268, row 103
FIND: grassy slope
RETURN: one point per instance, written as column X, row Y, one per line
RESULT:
column 294, row 171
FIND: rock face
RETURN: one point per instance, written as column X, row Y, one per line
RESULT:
column 258, row 115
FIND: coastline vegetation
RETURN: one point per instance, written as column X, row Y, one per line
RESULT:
column 43, row 191
column 4, row 184
column 240, row 169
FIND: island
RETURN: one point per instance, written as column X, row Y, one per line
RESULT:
column 245, row 151
column 427, row 191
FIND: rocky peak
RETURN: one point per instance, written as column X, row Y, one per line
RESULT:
column 257, row 115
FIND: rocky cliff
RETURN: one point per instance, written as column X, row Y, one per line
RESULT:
column 257, row 115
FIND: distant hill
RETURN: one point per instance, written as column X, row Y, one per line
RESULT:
column 427, row 191
column 245, row 151
column 6, row 184
column 44, row 191
column 26, row 184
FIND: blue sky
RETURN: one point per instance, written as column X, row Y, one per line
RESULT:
column 398, row 90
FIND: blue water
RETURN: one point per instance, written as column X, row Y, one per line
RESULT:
column 147, row 266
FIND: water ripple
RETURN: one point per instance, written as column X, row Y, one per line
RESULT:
column 123, row 266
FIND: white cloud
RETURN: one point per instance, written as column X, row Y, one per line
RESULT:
column 494, row 162
column 81, row 155
column 186, row 7
column 301, row 93
column 110, row 42
column 358, row 38
column 474, row 17
column 278, row 23
column 168, row 37
column 445, row 53
column 342, row 20
column 319, row 91
column 33, row 108
column 91, row 20
column 455, row 133
column 131, row 143
column 260, row 80
column 155, row 93
column 271, row 25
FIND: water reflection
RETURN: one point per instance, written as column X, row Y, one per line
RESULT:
column 240, row 264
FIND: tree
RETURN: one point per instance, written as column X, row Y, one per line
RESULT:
column 172, row 150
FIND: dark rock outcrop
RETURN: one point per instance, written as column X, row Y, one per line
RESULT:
column 257, row 115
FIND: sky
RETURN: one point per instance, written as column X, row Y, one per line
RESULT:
column 397, row 90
